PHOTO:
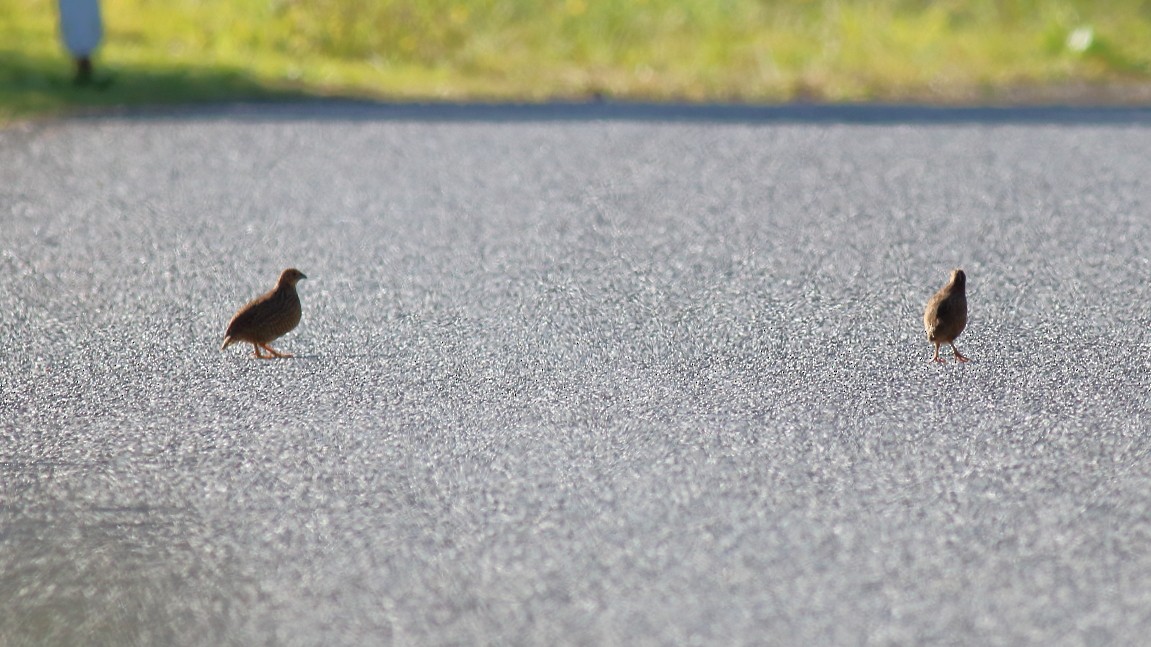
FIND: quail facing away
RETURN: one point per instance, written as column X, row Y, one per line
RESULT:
column 946, row 315
column 268, row 317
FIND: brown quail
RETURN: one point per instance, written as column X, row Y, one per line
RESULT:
column 946, row 315
column 268, row 317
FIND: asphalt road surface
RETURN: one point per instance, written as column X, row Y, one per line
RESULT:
column 576, row 375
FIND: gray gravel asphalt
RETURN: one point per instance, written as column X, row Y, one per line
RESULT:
column 576, row 375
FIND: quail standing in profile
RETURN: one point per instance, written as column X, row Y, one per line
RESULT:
column 268, row 317
column 946, row 315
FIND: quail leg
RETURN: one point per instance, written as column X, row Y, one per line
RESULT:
column 959, row 356
column 937, row 358
column 258, row 354
column 274, row 352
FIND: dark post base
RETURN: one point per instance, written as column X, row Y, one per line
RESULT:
column 83, row 70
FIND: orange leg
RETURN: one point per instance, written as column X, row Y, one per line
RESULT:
column 258, row 354
column 937, row 358
column 959, row 356
column 274, row 352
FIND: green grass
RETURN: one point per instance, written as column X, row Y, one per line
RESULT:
column 949, row 51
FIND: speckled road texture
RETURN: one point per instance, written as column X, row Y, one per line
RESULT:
column 576, row 375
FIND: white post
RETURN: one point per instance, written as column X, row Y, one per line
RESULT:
column 81, row 29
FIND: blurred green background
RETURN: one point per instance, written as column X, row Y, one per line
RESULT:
column 933, row 51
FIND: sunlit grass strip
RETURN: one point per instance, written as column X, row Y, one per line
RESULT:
column 704, row 50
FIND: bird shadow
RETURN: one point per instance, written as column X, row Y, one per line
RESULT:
column 306, row 357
